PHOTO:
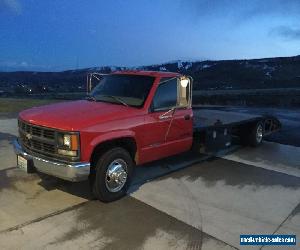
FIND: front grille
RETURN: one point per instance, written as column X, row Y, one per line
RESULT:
column 38, row 139
column 49, row 134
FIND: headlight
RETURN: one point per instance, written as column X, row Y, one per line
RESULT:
column 68, row 144
column 67, row 141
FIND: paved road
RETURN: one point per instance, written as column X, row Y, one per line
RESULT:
column 186, row 202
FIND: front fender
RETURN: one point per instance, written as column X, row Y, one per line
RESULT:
column 111, row 136
column 108, row 137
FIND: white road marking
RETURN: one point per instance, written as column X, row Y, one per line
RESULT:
column 272, row 156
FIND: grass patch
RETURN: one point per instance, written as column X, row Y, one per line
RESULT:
column 14, row 105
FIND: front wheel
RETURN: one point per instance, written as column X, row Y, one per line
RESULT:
column 112, row 175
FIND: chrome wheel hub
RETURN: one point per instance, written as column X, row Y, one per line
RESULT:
column 259, row 133
column 116, row 175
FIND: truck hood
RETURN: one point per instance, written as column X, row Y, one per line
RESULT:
column 76, row 115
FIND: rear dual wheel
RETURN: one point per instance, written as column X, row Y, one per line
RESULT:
column 253, row 136
column 111, row 177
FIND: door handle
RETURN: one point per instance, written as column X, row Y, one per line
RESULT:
column 187, row 117
column 168, row 114
column 162, row 117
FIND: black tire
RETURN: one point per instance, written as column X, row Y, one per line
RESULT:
column 98, row 176
column 253, row 139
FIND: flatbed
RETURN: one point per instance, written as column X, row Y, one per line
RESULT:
column 205, row 118
column 209, row 118
column 215, row 128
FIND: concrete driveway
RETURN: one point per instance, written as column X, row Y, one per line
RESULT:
column 186, row 202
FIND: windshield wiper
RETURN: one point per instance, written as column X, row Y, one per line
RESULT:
column 118, row 99
column 91, row 98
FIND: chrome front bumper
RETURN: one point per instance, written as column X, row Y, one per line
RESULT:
column 68, row 171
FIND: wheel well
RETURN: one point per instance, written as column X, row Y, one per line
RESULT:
column 127, row 143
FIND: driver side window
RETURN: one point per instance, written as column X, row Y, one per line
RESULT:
column 166, row 95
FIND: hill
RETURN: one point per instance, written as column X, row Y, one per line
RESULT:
column 266, row 73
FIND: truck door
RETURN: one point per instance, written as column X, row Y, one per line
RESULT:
column 180, row 134
column 167, row 127
column 158, row 121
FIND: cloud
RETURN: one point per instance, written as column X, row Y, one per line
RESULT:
column 13, row 6
column 286, row 32
column 14, row 64
column 241, row 10
column 23, row 66
column 272, row 7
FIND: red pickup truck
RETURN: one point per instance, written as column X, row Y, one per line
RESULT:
column 130, row 118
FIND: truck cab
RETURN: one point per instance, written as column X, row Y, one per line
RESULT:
column 129, row 118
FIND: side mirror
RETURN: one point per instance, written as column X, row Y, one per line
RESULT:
column 184, row 92
column 184, row 82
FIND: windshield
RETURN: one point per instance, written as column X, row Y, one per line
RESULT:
column 129, row 90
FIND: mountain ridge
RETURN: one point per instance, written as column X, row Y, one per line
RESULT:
column 277, row 72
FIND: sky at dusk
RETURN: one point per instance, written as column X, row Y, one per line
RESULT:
column 53, row 35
